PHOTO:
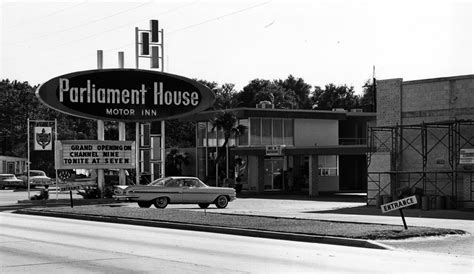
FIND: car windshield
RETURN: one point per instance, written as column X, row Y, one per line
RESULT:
column 160, row 182
column 37, row 173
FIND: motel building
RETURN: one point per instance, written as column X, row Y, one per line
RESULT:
column 286, row 150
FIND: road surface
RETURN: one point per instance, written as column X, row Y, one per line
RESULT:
column 43, row 244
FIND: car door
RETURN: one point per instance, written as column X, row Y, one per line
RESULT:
column 193, row 192
column 174, row 190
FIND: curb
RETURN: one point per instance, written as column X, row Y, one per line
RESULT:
column 66, row 201
column 217, row 229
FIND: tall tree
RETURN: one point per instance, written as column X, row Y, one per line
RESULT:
column 300, row 89
column 247, row 97
column 227, row 122
column 226, row 97
column 175, row 161
column 335, row 97
column 278, row 96
column 367, row 100
column 278, row 92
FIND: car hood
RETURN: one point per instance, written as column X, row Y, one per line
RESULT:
column 40, row 178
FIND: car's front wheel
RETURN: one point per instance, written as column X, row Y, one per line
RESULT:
column 222, row 201
column 161, row 202
column 203, row 205
column 144, row 204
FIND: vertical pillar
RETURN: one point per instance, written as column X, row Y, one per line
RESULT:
column 313, row 175
column 100, row 132
column 261, row 173
column 54, row 155
column 28, row 163
column 122, row 178
column 137, row 153
column 163, row 150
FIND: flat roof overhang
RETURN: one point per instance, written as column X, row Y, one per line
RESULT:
column 315, row 150
column 243, row 113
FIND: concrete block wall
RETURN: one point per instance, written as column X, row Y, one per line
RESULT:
column 389, row 102
column 439, row 99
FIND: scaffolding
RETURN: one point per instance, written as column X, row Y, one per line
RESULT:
column 414, row 164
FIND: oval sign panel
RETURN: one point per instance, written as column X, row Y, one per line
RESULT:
column 129, row 95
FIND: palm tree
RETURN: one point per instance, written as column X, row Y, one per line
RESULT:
column 227, row 122
column 174, row 162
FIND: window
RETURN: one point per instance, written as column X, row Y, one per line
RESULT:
column 328, row 165
column 288, row 132
column 268, row 131
column 255, row 133
column 244, row 138
column 277, row 132
column 201, row 134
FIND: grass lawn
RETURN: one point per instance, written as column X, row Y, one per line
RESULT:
column 278, row 224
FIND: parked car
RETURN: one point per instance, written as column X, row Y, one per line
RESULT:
column 10, row 180
column 37, row 178
column 175, row 190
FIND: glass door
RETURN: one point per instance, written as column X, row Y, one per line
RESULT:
column 273, row 178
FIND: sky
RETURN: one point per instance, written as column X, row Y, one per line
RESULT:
column 320, row 41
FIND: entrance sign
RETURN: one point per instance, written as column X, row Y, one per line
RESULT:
column 406, row 202
column 92, row 154
column 129, row 95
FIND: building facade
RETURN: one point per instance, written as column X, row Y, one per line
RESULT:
column 281, row 150
column 423, row 129
column 12, row 165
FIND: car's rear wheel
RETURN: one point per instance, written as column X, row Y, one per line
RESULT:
column 144, row 204
column 203, row 205
column 161, row 202
column 222, row 201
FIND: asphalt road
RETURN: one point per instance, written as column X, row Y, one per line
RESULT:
column 52, row 245
column 333, row 209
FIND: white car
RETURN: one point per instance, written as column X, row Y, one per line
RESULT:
column 37, row 178
column 10, row 180
column 175, row 190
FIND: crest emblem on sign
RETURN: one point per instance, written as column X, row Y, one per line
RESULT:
column 43, row 138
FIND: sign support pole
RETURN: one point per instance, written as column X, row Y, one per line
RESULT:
column 137, row 124
column 55, row 169
column 403, row 218
column 100, row 132
column 28, row 164
column 121, row 125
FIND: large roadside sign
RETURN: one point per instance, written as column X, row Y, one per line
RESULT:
column 399, row 204
column 92, row 154
column 128, row 95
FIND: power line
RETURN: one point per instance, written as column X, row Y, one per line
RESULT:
column 45, row 16
column 219, row 17
column 174, row 31
column 80, row 25
column 122, row 26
